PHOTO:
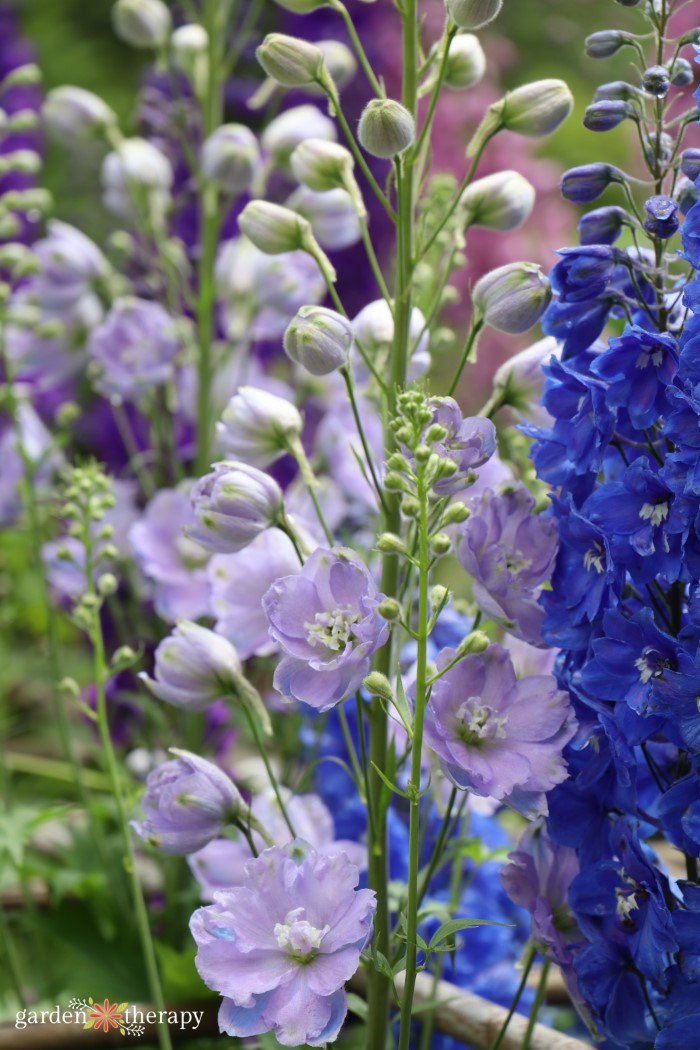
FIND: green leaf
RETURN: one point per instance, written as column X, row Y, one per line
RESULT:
column 385, row 780
column 448, row 929
column 401, row 704
column 357, row 1005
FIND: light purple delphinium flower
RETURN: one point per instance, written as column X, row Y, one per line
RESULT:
column 280, row 947
column 194, row 667
column 470, row 441
column 498, row 736
column 221, row 864
column 173, row 563
column 232, row 505
column 538, row 878
column 326, row 622
column 188, row 802
column 69, row 264
column 134, row 348
column 510, row 552
column 238, row 583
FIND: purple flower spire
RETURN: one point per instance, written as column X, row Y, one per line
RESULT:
column 188, row 802
column 326, row 622
column 498, row 736
column 510, row 552
column 280, row 947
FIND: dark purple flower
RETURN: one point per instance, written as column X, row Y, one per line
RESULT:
column 586, row 183
column 662, row 216
column 326, row 622
column 188, row 802
column 510, row 552
column 498, row 736
column 280, row 947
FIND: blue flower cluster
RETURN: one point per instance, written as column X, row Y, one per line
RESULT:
column 622, row 455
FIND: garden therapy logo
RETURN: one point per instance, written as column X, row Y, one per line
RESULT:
column 107, row 1015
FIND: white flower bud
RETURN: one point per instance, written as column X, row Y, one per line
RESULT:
column 473, row 14
column 273, row 229
column 512, row 298
column 136, row 170
column 283, row 134
column 501, row 201
column 73, row 113
column 333, row 216
column 290, row 61
column 142, row 23
column 386, row 128
column 189, row 47
column 258, row 427
column 340, row 62
column 466, row 62
column 318, row 339
column 537, row 109
column 230, row 157
column 321, row 165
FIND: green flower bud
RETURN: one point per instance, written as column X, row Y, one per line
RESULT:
column 466, row 62
column 107, row 584
column 142, row 23
column 455, row 514
column 512, row 298
column 386, row 128
column 441, row 544
column 502, row 201
column 322, row 165
column 274, row 229
column 476, row 642
column 537, row 109
column 438, row 596
column 389, row 609
column 390, row 543
column 473, row 14
column 410, row 507
column 290, row 61
column 379, row 685
column 189, row 47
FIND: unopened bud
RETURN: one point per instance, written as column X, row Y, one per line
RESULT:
column 274, row 229
column 189, row 47
column 608, row 114
column 512, row 298
column 466, row 62
column 123, row 657
column 322, row 165
column 534, row 110
column 690, row 163
column 390, row 543
column 73, row 113
column 656, row 81
column 681, row 72
column 340, row 62
column 319, row 339
column 607, row 42
column 438, row 596
column 441, row 544
column 586, row 183
column 455, row 514
column 473, row 14
column 69, row 687
column 379, row 685
column 230, row 157
column 389, row 609
column 502, row 201
column 602, row 225
column 410, row 507
column 386, row 128
column 21, row 76
column 476, row 642
column 290, row 61
column 142, row 23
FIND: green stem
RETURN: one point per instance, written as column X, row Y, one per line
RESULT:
column 349, row 385
column 420, row 703
column 456, row 199
column 359, row 49
column 527, row 966
column 296, row 449
column 139, row 903
column 212, row 107
column 474, row 331
column 52, row 769
column 536, row 1006
column 268, row 769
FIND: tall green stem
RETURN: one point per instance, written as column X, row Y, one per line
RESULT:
column 110, row 759
column 416, row 755
column 378, row 990
column 212, row 105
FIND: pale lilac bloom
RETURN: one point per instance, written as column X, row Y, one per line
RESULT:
column 134, row 348
column 238, row 583
column 258, row 426
column 326, row 623
column 332, row 214
column 188, row 802
column 520, row 381
column 280, row 947
column 259, row 294
column 510, row 553
column 221, row 864
column 498, row 736
column 69, row 264
column 470, row 441
column 232, row 505
column 194, row 667
column 174, row 564
column 538, row 878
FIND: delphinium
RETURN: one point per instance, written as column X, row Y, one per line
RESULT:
column 306, row 539
column 620, row 453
